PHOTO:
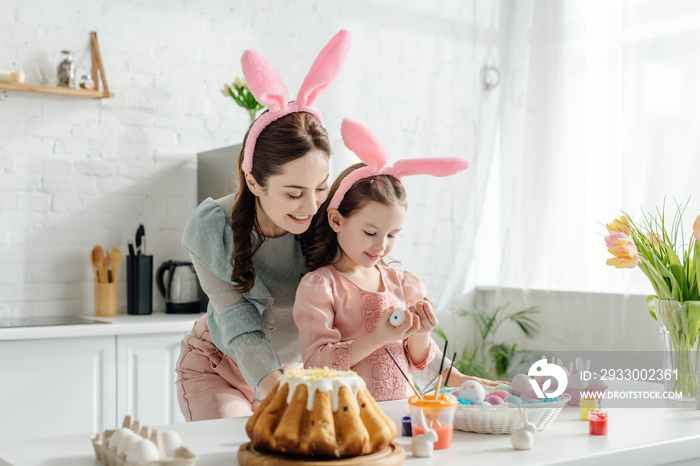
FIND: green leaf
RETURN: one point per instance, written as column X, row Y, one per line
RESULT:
column 651, row 306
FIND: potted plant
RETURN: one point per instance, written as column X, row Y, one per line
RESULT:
column 483, row 356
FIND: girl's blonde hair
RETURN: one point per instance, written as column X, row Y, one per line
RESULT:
column 319, row 242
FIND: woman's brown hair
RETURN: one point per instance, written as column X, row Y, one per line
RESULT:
column 282, row 141
column 319, row 243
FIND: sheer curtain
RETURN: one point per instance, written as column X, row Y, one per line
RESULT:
column 599, row 113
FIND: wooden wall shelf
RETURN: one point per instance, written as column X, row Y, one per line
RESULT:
column 87, row 93
column 98, row 74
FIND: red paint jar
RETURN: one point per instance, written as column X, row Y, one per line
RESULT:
column 598, row 423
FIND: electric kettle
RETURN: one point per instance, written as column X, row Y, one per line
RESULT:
column 179, row 286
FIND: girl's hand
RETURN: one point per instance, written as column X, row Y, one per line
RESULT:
column 423, row 310
column 386, row 333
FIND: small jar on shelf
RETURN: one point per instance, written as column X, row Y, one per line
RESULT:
column 66, row 70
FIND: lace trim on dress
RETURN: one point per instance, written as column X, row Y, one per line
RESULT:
column 340, row 359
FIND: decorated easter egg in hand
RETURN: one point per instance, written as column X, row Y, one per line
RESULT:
column 472, row 391
column 521, row 384
column 398, row 317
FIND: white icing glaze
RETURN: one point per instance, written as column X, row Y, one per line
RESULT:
column 323, row 380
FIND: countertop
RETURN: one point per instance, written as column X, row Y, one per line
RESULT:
column 639, row 436
column 122, row 324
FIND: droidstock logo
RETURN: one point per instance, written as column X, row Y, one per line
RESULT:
column 544, row 370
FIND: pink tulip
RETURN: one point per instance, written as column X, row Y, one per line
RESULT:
column 613, row 237
column 696, row 228
column 625, row 252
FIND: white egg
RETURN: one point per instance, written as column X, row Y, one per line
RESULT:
column 117, row 437
column 576, row 382
column 472, row 391
column 127, row 441
column 171, row 442
column 142, row 452
column 398, row 317
column 521, row 384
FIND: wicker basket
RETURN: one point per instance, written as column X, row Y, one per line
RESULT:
column 503, row 419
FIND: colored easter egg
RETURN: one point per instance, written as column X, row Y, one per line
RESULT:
column 481, row 403
column 500, row 393
column 521, row 384
column 494, row 400
column 533, row 400
column 504, row 386
column 472, row 391
column 528, row 395
column 512, row 399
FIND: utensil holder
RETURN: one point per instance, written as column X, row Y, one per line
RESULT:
column 105, row 299
column 139, row 284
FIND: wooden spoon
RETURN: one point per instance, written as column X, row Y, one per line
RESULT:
column 105, row 268
column 97, row 255
column 116, row 262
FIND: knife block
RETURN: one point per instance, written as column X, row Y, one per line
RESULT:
column 105, row 299
column 139, row 284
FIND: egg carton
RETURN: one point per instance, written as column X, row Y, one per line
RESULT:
column 503, row 419
column 100, row 441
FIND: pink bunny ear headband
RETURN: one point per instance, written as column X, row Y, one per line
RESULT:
column 362, row 141
column 270, row 91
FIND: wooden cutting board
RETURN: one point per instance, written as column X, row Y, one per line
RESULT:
column 394, row 454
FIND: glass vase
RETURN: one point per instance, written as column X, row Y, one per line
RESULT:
column 679, row 348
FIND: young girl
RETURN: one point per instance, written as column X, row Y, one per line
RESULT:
column 343, row 307
column 244, row 248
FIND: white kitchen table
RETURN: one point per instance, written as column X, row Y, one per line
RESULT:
column 636, row 436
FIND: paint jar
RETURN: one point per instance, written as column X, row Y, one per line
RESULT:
column 439, row 415
column 598, row 423
column 587, row 405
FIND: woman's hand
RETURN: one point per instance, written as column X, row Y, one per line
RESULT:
column 423, row 310
column 268, row 382
column 457, row 379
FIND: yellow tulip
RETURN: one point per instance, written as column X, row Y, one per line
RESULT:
column 619, row 224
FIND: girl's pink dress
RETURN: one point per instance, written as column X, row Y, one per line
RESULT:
column 332, row 311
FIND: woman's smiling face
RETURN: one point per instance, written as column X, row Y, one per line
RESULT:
column 369, row 234
column 290, row 199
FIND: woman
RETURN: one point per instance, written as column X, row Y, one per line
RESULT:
column 245, row 251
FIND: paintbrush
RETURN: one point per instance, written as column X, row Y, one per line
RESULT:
column 449, row 372
column 442, row 363
column 404, row 375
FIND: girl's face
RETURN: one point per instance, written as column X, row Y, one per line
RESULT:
column 291, row 199
column 369, row 234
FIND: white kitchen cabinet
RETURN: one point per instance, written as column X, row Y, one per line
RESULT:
column 56, row 386
column 77, row 379
column 146, row 378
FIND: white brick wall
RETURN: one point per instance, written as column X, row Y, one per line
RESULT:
column 80, row 172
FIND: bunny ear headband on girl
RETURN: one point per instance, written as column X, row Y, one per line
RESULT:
column 268, row 88
column 362, row 141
